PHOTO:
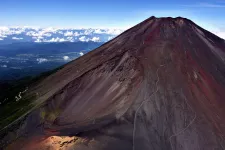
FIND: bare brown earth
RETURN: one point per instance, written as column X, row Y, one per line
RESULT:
column 158, row 86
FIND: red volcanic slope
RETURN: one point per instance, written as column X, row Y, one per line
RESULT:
column 159, row 85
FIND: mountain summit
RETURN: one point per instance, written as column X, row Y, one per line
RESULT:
column 159, row 85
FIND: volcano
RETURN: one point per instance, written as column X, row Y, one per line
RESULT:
column 158, row 86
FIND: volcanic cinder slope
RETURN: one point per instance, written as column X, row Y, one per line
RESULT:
column 158, row 86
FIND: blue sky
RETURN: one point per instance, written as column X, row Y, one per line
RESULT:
column 108, row 13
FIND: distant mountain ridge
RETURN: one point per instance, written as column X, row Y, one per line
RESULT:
column 31, row 34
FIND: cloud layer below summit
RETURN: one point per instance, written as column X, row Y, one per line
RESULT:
column 29, row 34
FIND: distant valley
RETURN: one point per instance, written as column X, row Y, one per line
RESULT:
column 19, row 60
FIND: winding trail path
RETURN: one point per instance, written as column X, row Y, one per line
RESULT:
column 143, row 102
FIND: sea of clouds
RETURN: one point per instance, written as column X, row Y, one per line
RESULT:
column 32, row 34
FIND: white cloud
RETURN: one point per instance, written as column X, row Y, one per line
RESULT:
column 11, row 31
column 88, row 31
column 4, row 28
column 99, row 31
column 108, row 31
column 60, row 32
column 41, row 34
column 62, row 40
column 31, row 33
column 38, row 41
column 16, row 38
column 41, row 60
column 68, row 33
column 18, row 32
column 114, row 31
column 83, row 39
column 81, row 53
column 1, row 39
column 3, row 36
column 50, row 29
column 95, row 39
column 47, row 34
column 37, row 37
column 70, row 39
column 56, row 40
column 66, row 58
column 32, row 27
column 76, row 34
column 110, row 38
